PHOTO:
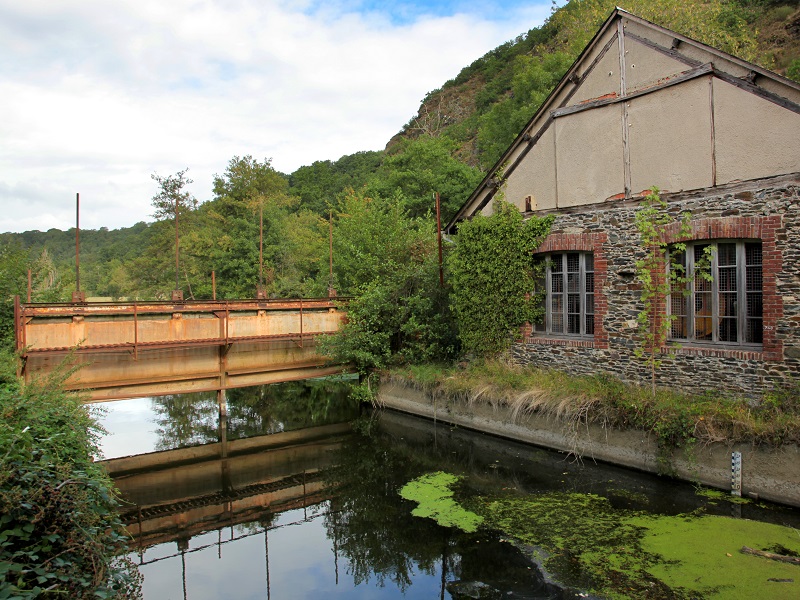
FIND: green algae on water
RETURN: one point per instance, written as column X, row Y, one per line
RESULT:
column 720, row 496
column 617, row 553
column 435, row 497
column 703, row 556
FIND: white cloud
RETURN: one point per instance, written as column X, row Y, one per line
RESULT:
column 97, row 95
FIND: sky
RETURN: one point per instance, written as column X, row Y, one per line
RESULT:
column 97, row 95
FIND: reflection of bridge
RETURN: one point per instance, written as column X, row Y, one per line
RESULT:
column 177, row 494
column 136, row 349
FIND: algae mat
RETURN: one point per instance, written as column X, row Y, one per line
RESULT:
column 586, row 544
column 620, row 553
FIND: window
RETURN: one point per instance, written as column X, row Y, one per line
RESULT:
column 728, row 308
column 568, row 286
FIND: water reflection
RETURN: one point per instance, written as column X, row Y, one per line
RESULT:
column 193, row 419
column 308, row 507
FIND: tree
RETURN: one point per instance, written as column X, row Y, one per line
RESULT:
column 388, row 261
column 13, row 265
column 418, row 168
column 320, row 184
column 172, row 200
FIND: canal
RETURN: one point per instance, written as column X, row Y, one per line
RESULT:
column 296, row 493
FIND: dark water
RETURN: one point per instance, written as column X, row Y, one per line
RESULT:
column 311, row 509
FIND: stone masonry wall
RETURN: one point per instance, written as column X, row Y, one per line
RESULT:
column 767, row 210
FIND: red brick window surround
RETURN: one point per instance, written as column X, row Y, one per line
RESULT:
column 583, row 243
column 763, row 229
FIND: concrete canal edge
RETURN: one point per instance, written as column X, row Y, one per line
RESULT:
column 768, row 474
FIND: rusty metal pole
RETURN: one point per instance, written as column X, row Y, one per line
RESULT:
column 135, row 331
column 17, row 321
column 439, row 235
column 77, row 243
column 261, row 244
column 177, row 272
column 331, row 291
column 213, row 286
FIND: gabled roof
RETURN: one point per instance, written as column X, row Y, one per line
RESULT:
column 698, row 60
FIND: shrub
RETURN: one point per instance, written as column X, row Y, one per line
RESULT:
column 59, row 529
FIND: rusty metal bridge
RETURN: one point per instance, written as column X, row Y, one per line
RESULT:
column 134, row 349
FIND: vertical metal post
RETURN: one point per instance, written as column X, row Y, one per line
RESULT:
column 77, row 243
column 261, row 244
column 213, row 286
column 301, row 322
column 30, row 285
column 177, row 272
column 135, row 331
column 223, row 422
column 330, row 254
column 17, row 333
column 439, row 236
column 266, row 553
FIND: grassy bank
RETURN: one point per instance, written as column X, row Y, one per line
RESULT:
column 677, row 420
column 59, row 531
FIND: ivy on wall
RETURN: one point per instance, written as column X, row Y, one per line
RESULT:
column 492, row 276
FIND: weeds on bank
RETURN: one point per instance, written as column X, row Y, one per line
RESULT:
column 677, row 420
column 60, row 535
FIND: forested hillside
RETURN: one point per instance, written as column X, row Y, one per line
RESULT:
column 458, row 132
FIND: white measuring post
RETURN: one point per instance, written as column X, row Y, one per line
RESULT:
column 736, row 473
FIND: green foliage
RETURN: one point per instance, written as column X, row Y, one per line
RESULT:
column 493, row 277
column 388, row 261
column 417, row 168
column 793, row 70
column 59, row 530
column 320, row 184
column 47, row 283
column 532, row 81
column 172, row 196
column 13, row 260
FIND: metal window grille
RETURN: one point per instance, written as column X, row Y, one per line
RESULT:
column 568, row 294
column 727, row 309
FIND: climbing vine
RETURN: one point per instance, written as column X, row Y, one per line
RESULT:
column 660, row 274
column 492, row 275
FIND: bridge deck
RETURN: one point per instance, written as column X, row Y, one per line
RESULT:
column 128, row 349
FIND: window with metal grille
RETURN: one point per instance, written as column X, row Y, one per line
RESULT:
column 566, row 290
column 727, row 309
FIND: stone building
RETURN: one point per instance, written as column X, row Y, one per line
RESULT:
column 643, row 106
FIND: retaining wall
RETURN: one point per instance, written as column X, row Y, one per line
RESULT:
column 766, row 474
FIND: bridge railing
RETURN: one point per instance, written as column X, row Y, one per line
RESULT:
column 104, row 326
column 129, row 349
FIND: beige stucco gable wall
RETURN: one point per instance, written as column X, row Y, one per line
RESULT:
column 535, row 176
column 589, row 155
column 675, row 120
column 754, row 137
column 670, row 138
